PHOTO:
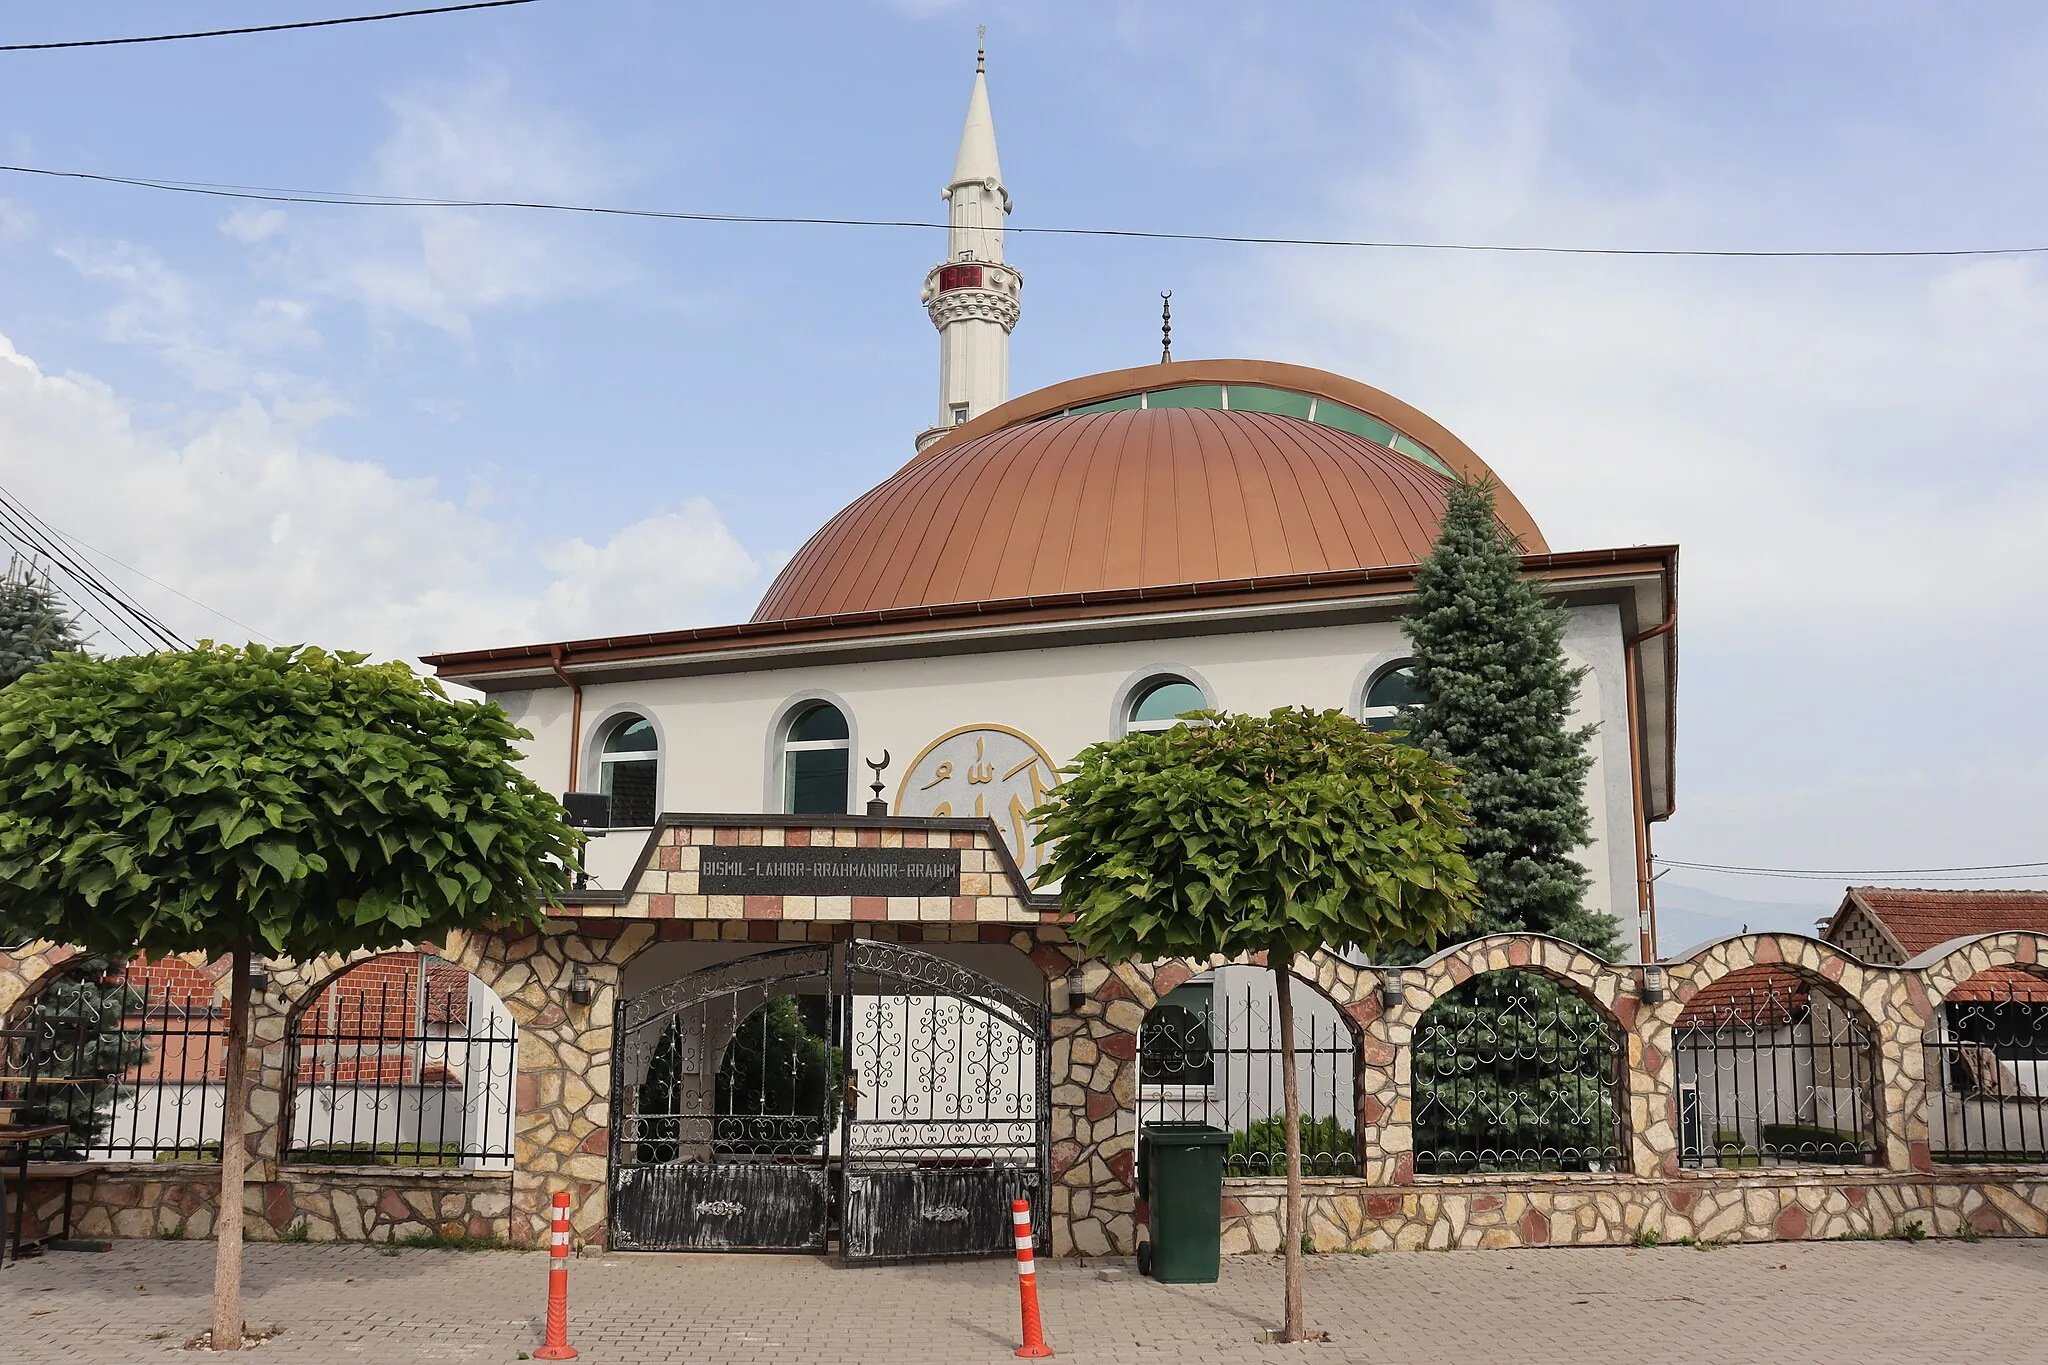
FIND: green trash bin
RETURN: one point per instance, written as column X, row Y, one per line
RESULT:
column 1180, row 1175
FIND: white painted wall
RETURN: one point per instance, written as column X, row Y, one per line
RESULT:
column 719, row 742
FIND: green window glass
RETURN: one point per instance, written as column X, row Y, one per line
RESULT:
column 1160, row 704
column 1192, row 396
column 1416, row 450
column 1124, row 404
column 1352, row 420
column 817, row 782
column 1258, row 398
column 820, row 722
column 1394, row 689
column 816, row 759
column 628, row 765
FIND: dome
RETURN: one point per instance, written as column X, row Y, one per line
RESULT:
column 1190, row 472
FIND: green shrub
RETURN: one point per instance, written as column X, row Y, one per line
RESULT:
column 1327, row 1148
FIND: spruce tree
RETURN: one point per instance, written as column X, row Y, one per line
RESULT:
column 33, row 623
column 1489, row 657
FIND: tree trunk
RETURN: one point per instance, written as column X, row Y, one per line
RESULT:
column 234, row 1160
column 1290, row 1085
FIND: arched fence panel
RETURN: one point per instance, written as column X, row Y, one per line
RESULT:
column 1209, row 1053
column 1987, row 1070
column 1514, row 1072
column 130, row 1058
column 1775, row 1069
column 402, row 1060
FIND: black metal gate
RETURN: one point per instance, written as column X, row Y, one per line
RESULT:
column 949, row 1112
column 725, row 1093
column 901, row 1100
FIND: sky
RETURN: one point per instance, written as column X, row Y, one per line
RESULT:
column 407, row 430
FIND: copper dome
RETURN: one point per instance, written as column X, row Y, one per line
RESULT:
column 1035, row 499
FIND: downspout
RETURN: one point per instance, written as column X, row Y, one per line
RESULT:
column 1646, row 885
column 576, row 714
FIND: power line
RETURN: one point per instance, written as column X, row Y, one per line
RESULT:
column 262, row 28
column 2004, row 871
column 216, row 611
column 350, row 199
column 129, row 618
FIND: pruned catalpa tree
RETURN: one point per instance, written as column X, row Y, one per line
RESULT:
column 1246, row 835
column 236, row 801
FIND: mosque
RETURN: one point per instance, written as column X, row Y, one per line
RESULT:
column 812, row 994
column 1058, row 568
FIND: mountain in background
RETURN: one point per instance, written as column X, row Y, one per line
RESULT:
column 1687, row 915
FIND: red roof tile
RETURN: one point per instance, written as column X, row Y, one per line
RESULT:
column 1923, row 919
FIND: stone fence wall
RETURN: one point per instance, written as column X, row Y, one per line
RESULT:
column 1390, row 1206
column 561, row 1121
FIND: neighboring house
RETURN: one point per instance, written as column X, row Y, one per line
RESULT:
column 1987, row 1066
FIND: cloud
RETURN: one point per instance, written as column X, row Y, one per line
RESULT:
column 250, row 516
column 440, row 267
column 253, row 225
column 635, row 580
column 1847, row 451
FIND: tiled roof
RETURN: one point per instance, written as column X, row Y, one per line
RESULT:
column 1922, row 919
column 1758, row 997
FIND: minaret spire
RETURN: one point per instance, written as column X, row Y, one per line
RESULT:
column 972, row 296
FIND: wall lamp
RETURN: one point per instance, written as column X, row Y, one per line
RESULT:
column 1393, row 987
column 259, row 975
column 1653, row 984
column 1077, row 987
column 581, row 991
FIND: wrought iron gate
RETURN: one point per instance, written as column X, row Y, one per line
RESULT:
column 725, row 1094
column 760, row 1104
column 948, row 1115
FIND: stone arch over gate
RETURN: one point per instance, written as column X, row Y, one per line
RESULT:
column 1880, row 998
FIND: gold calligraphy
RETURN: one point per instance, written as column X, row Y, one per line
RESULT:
column 1005, row 772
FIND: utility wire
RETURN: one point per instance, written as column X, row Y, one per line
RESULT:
column 137, row 623
column 349, row 199
column 1999, row 872
column 212, row 610
column 262, row 28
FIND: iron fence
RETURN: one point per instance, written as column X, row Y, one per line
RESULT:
column 1512, row 1072
column 1987, row 1060
column 1210, row 1053
column 406, row 1073
column 1773, row 1071
column 133, row 1070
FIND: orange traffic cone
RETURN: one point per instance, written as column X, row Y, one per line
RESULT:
column 1034, row 1347
column 558, row 1347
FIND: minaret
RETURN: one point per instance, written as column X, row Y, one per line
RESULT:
column 972, row 295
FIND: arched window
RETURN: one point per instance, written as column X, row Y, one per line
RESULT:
column 628, row 765
column 1392, row 688
column 816, row 757
column 1160, row 703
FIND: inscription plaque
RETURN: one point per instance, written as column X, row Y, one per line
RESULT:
column 723, row 870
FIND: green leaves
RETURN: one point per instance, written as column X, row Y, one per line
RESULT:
column 1243, row 834
column 312, row 801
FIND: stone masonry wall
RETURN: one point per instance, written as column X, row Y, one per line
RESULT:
column 1787, row 1205
column 562, row 1107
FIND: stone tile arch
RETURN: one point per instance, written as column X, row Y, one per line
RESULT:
column 1889, row 1002
column 1947, row 966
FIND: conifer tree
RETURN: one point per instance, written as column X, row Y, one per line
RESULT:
column 1489, row 657
column 33, row 623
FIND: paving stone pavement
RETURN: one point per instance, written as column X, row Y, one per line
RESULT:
column 1864, row 1302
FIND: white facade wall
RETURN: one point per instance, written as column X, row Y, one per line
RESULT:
column 720, row 731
